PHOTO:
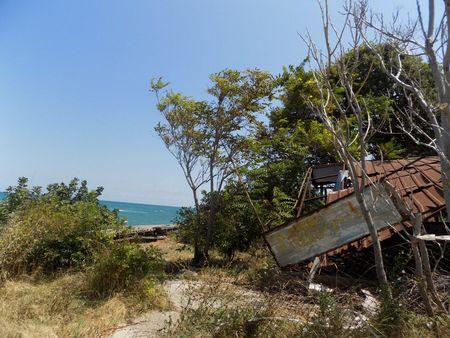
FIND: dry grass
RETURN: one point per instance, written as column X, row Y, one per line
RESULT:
column 248, row 297
column 251, row 297
column 173, row 251
column 58, row 308
column 220, row 308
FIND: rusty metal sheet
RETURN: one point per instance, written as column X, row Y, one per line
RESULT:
column 417, row 180
column 334, row 225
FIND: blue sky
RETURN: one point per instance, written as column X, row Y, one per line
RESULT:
column 74, row 80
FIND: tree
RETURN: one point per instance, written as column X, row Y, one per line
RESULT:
column 417, row 38
column 379, row 92
column 357, row 24
column 203, row 135
column 351, row 125
column 183, row 138
column 229, row 118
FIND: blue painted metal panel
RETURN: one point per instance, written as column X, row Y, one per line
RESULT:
column 334, row 225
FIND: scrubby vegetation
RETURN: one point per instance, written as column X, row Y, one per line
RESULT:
column 236, row 227
column 122, row 266
column 244, row 152
column 62, row 273
column 70, row 278
column 251, row 297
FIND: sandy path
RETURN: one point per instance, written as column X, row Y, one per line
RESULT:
column 181, row 294
column 152, row 323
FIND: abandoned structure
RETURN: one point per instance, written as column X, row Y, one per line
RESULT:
column 337, row 226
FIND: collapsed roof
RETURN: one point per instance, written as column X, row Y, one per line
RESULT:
column 338, row 226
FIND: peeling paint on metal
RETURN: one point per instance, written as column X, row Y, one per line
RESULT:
column 332, row 226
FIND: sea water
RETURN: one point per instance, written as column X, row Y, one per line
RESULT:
column 139, row 214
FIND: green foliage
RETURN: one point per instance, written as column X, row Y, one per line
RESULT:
column 278, row 160
column 203, row 135
column 52, row 236
column 186, row 220
column 281, row 208
column 392, row 315
column 20, row 196
column 376, row 91
column 236, row 226
column 390, row 150
column 73, row 192
column 16, row 197
column 61, row 229
column 158, row 84
column 122, row 266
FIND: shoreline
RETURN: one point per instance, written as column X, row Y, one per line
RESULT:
column 146, row 232
column 143, row 227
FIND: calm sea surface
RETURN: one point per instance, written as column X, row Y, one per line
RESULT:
column 139, row 214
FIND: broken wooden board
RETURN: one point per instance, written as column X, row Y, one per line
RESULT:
column 332, row 226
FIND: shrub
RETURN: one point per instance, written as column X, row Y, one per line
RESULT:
column 51, row 236
column 236, row 227
column 392, row 315
column 122, row 266
column 16, row 198
column 186, row 220
column 50, row 232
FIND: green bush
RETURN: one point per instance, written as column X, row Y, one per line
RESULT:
column 235, row 229
column 51, row 236
column 53, row 231
column 186, row 221
column 121, row 266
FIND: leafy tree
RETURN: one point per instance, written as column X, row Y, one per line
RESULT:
column 182, row 136
column 379, row 92
column 210, row 133
column 385, row 98
column 230, row 116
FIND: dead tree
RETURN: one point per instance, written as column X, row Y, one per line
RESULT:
column 422, row 262
column 423, row 38
column 417, row 39
column 351, row 106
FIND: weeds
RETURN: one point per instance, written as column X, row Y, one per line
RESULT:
column 123, row 266
column 60, row 307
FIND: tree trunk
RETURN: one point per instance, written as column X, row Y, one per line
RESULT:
column 420, row 277
column 417, row 229
column 443, row 135
column 211, row 217
column 358, row 188
column 199, row 256
column 378, row 253
column 429, row 276
column 445, row 176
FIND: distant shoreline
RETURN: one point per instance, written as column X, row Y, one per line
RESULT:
column 150, row 226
